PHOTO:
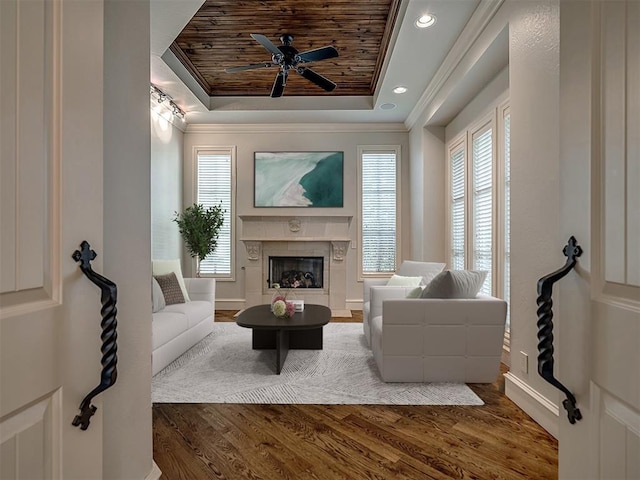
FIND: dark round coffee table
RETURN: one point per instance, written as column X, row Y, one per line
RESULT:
column 302, row 331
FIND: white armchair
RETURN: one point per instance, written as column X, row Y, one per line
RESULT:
column 437, row 340
column 409, row 268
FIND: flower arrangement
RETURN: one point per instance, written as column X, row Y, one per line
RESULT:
column 279, row 305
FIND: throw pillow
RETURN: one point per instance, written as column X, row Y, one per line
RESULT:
column 455, row 284
column 170, row 288
column 162, row 267
column 400, row 281
column 157, row 297
column 415, row 292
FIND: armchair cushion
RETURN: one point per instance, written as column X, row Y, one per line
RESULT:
column 455, row 284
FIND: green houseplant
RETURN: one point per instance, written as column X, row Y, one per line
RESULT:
column 199, row 227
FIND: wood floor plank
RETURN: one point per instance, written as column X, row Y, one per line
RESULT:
column 353, row 442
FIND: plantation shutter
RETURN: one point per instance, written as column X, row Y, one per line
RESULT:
column 214, row 188
column 457, row 208
column 378, row 212
column 482, row 164
column 507, row 216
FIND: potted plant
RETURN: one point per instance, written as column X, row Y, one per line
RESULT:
column 199, row 227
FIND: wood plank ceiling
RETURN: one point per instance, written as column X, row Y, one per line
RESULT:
column 217, row 37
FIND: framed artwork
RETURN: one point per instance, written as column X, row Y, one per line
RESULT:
column 298, row 179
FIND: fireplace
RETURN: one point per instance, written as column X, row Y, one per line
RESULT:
column 296, row 272
column 323, row 243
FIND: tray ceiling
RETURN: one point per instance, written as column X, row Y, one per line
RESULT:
column 217, row 37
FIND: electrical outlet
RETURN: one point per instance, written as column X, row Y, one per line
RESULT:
column 524, row 362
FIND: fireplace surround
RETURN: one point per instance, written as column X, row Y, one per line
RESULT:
column 286, row 236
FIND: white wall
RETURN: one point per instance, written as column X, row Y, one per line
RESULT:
column 252, row 138
column 483, row 103
column 127, row 246
column 167, row 146
column 427, row 194
column 533, row 36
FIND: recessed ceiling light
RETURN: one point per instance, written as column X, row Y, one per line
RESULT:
column 400, row 89
column 387, row 106
column 426, row 20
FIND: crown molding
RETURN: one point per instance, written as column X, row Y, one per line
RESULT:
column 298, row 127
column 476, row 25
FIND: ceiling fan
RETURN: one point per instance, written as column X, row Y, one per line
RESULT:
column 288, row 58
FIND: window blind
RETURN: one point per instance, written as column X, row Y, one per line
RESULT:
column 457, row 208
column 507, row 217
column 379, row 197
column 482, row 165
column 214, row 188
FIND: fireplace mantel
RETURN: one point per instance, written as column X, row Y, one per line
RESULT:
column 288, row 228
column 287, row 233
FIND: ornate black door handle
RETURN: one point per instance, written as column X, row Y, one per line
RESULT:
column 109, row 335
column 545, row 328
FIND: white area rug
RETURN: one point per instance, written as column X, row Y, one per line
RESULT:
column 223, row 368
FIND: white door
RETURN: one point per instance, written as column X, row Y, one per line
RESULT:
column 51, row 57
column 598, row 318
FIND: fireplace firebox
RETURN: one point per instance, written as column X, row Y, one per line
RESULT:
column 296, row 272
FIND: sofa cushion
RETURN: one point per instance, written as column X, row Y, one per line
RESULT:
column 400, row 281
column 455, row 284
column 195, row 311
column 170, row 288
column 162, row 267
column 167, row 326
column 157, row 297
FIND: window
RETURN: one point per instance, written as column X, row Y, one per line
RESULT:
column 478, row 190
column 506, row 256
column 457, row 188
column 215, row 179
column 482, row 211
column 379, row 219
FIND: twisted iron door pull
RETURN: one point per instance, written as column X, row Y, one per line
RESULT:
column 545, row 327
column 109, row 334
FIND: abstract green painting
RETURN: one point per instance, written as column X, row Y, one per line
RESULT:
column 298, row 179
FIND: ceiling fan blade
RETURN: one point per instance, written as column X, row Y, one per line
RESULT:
column 322, row 82
column 318, row 54
column 266, row 43
column 278, row 85
column 253, row 66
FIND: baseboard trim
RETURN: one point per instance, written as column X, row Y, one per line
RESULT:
column 155, row 472
column 537, row 406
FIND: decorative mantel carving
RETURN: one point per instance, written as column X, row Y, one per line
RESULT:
column 254, row 249
column 339, row 250
column 294, row 225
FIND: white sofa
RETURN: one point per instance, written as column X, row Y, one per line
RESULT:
column 409, row 268
column 437, row 340
column 178, row 327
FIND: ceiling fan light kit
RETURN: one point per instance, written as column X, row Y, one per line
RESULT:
column 287, row 58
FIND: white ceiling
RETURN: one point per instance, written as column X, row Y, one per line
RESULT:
column 413, row 59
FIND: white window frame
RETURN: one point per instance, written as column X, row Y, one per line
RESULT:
column 361, row 149
column 503, row 110
column 218, row 150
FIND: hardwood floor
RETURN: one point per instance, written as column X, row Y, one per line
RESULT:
column 224, row 441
